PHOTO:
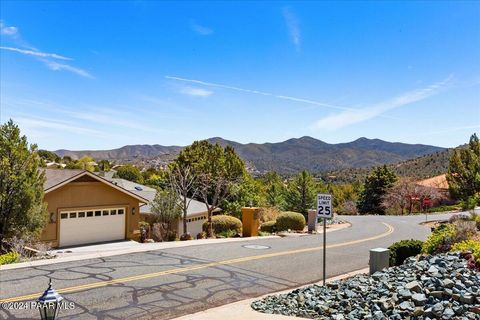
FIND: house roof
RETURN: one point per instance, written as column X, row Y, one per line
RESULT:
column 56, row 178
column 438, row 182
column 195, row 207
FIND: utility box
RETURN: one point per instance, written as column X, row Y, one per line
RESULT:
column 250, row 221
column 312, row 220
column 379, row 259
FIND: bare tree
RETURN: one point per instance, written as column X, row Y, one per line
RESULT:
column 405, row 193
column 182, row 180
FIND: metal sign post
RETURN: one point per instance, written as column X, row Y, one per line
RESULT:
column 324, row 211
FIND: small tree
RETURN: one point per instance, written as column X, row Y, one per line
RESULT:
column 376, row 185
column 300, row 194
column 464, row 171
column 275, row 190
column 166, row 210
column 182, row 181
column 217, row 170
column 131, row 173
column 22, row 209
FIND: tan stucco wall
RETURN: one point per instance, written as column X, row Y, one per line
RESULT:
column 78, row 195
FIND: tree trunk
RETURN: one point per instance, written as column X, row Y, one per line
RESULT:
column 185, row 209
column 210, row 227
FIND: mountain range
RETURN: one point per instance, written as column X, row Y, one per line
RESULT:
column 285, row 157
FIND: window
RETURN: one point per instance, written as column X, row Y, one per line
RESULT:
column 73, row 215
column 113, row 212
column 81, row 214
column 120, row 211
column 64, row 216
column 105, row 212
column 89, row 213
column 98, row 213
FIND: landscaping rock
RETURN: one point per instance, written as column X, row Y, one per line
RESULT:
column 432, row 287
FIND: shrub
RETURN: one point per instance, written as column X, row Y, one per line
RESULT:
column 401, row 250
column 10, row 257
column 186, row 236
column 443, row 208
column 440, row 240
column 201, row 235
column 267, row 214
column 269, row 226
column 290, row 220
column 465, row 229
column 222, row 223
column 226, row 234
column 263, row 234
column 471, row 251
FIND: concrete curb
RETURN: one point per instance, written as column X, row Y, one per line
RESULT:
column 241, row 310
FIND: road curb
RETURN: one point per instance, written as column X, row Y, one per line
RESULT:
column 241, row 310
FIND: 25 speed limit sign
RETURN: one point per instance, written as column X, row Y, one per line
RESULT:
column 324, row 206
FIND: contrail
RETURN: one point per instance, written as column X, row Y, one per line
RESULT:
column 263, row 93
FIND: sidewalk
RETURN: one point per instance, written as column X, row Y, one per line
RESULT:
column 241, row 310
column 126, row 247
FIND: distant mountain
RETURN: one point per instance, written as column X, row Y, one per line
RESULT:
column 285, row 157
column 423, row 167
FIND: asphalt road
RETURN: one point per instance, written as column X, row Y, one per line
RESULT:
column 168, row 283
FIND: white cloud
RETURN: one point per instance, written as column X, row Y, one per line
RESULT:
column 49, row 124
column 60, row 66
column 36, row 53
column 197, row 92
column 349, row 117
column 202, row 30
column 9, row 31
column 293, row 27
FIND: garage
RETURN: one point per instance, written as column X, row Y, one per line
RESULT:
column 91, row 225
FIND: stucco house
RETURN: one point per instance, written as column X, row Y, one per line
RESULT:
column 196, row 211
column 86, row 208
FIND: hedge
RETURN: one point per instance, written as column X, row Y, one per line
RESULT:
column 10, row 257
column 224, row 223
column 269, row 226
column 440, row 240
column 401, row 250
column 290, row 220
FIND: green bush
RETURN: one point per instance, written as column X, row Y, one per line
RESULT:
column 269, row 226
column 290, row 220
column 470, row 246
column 440, row 240
column 223, row 223
column 10, row 257
column 401, row 250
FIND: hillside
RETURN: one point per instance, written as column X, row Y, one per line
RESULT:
column 285, row 157
column 422, row 167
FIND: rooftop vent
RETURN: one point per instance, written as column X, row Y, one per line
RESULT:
column 138, row 188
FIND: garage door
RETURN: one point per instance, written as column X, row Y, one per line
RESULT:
column 91, row 226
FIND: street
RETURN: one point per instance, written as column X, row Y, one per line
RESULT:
column 168, row 283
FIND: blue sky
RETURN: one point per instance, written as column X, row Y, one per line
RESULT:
column 100, row 75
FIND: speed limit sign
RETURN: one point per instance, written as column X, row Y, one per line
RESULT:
column 324, row 206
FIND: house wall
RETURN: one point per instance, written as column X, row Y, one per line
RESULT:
column 79, row 195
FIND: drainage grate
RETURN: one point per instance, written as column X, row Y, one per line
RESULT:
column 256, row 247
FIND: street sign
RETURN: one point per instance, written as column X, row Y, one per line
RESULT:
column 325, row 211
column 324, row 206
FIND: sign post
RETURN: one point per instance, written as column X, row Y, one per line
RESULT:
column 324, row 211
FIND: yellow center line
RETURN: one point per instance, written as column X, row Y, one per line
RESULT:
column 99, row 284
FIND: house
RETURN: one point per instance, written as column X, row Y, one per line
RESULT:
column 196, row 211
column 86, row 208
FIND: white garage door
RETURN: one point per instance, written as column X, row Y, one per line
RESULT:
column 91, row 225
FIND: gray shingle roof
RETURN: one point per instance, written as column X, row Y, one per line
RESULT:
column 54, row 177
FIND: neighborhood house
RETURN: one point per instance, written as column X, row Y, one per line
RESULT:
column 86, row 208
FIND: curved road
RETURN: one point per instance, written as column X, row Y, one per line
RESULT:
column 168, row 283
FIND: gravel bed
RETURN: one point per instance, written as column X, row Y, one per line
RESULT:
column 432, row 287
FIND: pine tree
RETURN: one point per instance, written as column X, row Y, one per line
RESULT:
column 376, row 185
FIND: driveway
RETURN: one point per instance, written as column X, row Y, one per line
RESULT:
column 164, row 284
